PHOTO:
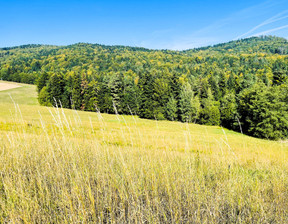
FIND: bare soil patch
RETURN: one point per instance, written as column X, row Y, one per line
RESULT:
column 6, row 86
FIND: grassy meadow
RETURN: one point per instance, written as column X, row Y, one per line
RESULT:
column 65, row 166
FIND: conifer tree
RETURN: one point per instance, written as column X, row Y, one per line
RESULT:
column 186, row 96
column 228, row 110
column 55, row 88
column 76, row 91
column 42, row 81
column 210, row 114
column 171, row 109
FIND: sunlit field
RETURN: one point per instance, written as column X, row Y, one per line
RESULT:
column 65, row 166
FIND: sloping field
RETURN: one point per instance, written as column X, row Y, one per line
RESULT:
column 20, row 93
column 6, row 86
column 65, row 166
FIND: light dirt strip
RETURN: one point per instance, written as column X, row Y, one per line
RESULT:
column 6, row 86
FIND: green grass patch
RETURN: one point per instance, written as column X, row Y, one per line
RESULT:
column 25, row 94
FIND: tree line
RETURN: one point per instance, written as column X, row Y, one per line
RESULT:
column 241, row 90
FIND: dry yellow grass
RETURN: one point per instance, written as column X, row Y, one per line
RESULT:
column 7, row 86
column 64, row 166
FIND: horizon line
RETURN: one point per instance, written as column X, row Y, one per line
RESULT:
column 151, row 49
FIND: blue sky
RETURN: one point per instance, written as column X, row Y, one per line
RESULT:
column 170, row 24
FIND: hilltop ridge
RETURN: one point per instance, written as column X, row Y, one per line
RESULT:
column 262, row 44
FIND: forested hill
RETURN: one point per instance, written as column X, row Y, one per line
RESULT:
column 264, row 44
column 241, row 85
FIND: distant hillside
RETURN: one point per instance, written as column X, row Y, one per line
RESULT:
column 27, row 46
column 241, row 85
column 263, row 44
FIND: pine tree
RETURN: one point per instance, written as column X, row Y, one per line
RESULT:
column 186, row 96
column 42, row 81
column 171, row 109
column 228, row 111
column 210, row 114
column 76, row 91
column 196, row 108
column 91, row 96
column 55, row 88
column 44, row 97
column 105, row 97
column 146, row 103
column 130, row 97
column 116, row 87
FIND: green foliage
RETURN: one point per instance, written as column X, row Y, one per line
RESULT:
column 210, row 114
column 263, row 113
column 199, row 85
column 55, row 88
column 116, row 87
column 280, row 71
column 266, row 44
column 44, row 97
column 186, row 98
column 146, row 104
column 105, row 99
column 91, row 98
column 171, row 109
column 76, row 91
column 130, row 97
column 42, row 81
column 228, row 110
column 196, row 108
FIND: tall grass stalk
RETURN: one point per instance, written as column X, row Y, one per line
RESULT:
column 66, row 168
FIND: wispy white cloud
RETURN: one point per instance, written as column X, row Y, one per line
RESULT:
column 271, row 20
column 220, row 30
column 211, row 34
column 246, row 13
column 192, row 42
column 270, row 31
column 156, row 37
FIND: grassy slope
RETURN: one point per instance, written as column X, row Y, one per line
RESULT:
column 69, row 166
column 26, row 94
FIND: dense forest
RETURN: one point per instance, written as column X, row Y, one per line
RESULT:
column 241, row 85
